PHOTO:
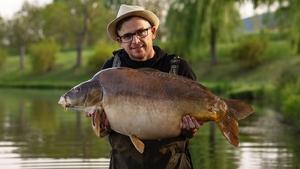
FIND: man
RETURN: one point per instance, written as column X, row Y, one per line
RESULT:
column 134, row 29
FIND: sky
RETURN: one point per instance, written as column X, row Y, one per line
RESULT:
column 9, row 7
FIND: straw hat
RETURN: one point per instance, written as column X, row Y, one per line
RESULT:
column 130, row 10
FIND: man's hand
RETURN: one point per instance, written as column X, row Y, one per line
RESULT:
column 100, row 123
column 189, row 126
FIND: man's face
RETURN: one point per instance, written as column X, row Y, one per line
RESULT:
column 140, row 47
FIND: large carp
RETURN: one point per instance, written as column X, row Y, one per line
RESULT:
column 149, row 104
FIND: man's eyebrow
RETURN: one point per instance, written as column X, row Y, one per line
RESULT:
column 135, row 30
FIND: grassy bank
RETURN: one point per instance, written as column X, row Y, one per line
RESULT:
column 227, row 74
column 62, row 76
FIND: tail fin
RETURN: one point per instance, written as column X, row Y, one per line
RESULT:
column 239, row 109
column 229, row 127
column 229, row 123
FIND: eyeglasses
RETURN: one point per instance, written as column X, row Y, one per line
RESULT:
column 141, row 33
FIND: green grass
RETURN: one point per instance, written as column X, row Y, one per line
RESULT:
column 229, row 71
column 63, row 76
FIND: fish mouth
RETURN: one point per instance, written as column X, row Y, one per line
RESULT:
column 62, row 101
column 65, row 104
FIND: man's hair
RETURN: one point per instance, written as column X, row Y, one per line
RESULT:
column 120, row 23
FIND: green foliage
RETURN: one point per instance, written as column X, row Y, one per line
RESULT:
column 277, row 49
column 288, row 16
column 291, row 107
column 249, row 52
column 25, row 27
column 43, row 55
column 290, row 96
column 2, row 28
column 288, row 87
column 3, row 56
column 287, row 77
column 203, row 22
column 102, row 52
column 77, row 23
column 202, row 53
column 72, row 20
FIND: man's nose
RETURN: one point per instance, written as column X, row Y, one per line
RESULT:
column 135, row 39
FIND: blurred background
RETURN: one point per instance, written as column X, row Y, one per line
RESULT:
column 245, row 49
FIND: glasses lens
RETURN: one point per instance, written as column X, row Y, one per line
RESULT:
column 142, row 33
column 126, row 37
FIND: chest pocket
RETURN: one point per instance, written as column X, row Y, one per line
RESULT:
column 174, row 63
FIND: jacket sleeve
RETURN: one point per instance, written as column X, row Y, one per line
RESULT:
column 186, row 70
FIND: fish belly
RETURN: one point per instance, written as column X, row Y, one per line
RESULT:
column 144, row 118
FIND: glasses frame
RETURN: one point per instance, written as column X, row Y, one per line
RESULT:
column 141, row 33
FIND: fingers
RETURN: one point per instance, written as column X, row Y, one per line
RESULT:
column 190, row 123
column 184, row 123
column 89, row 114
column 197, row 125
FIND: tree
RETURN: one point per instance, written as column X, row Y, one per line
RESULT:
column 288, row 9
column 292, row 11
column 223, row 16
column 82, row 12
column 3, row 53
column 114, row 4
column 75, row 22
column 2, row 30
column 202, row 23
column 24, row 29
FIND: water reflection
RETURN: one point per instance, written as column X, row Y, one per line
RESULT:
column 36, row 133
column 265, row 143
column 264, row 155
column 11, row 159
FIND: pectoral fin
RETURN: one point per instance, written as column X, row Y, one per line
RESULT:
column 96, row 122
column 138, row 144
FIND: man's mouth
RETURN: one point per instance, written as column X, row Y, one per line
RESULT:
column 137, row 47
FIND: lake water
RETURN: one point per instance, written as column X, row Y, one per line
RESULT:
column 37, row 133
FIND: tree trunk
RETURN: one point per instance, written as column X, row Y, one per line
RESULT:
column 22, row 57
column 78, row 52
column 80, row 38
column 298, row 47
column 213, row 45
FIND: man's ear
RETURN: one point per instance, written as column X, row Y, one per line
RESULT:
column 154, row 32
